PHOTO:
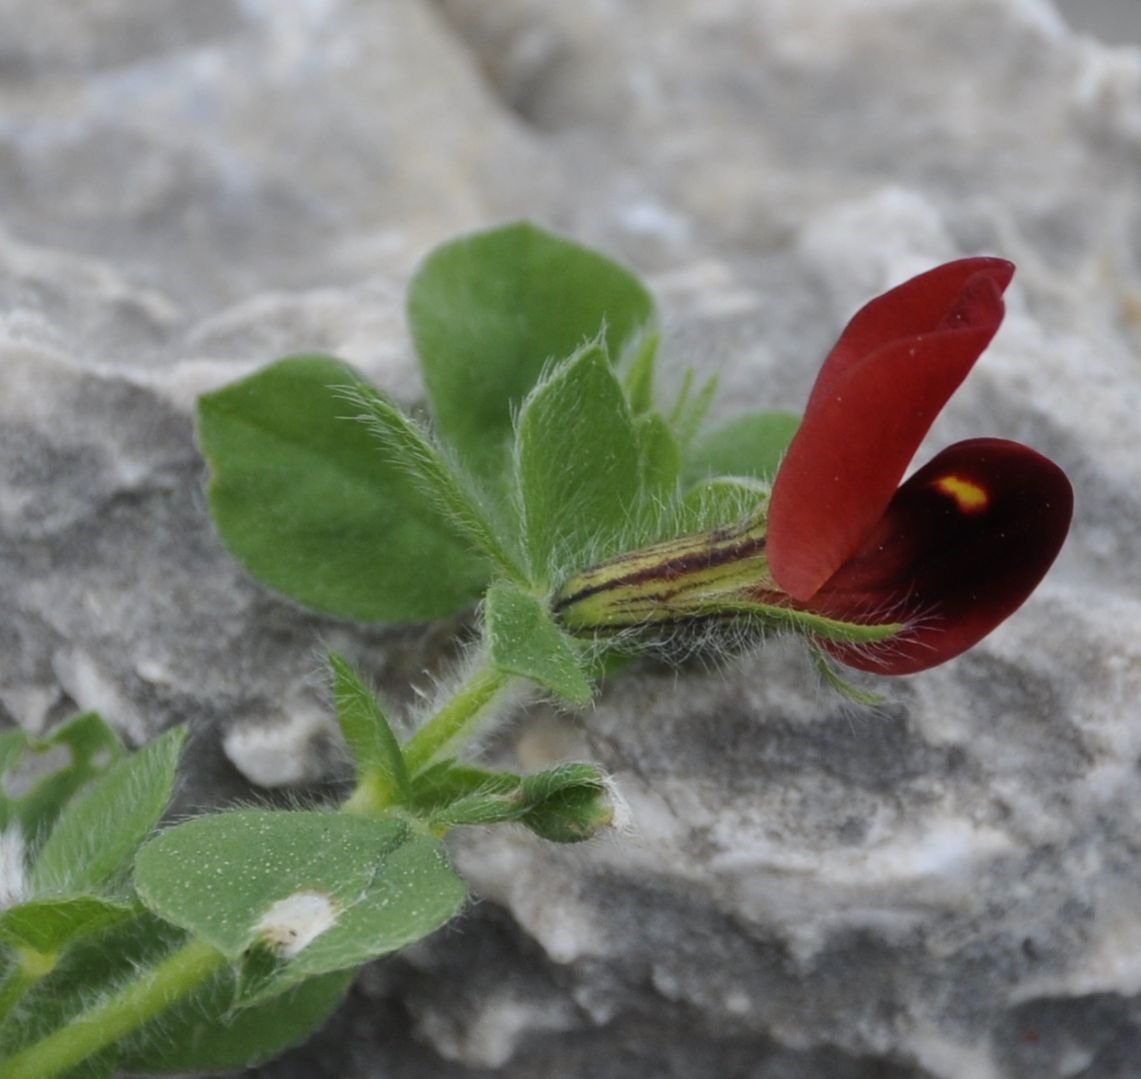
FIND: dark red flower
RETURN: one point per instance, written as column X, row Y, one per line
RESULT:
column 961, row 544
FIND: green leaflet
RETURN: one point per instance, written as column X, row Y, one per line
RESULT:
column 376, row 752
column 320, row 891
column 489, row 311
column 725, row 500
column 638, row 380
column 750, row 445
column 203, row 1033
column 437, row 479
column 525, row 641
column 578, row 463
column 313, row 506
column 40, row 775
column 689, row 410
column 661, row 465
column 96, row 835
column 48, row 925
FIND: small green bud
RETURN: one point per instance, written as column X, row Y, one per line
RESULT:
column 578, row 808
column 565, row 804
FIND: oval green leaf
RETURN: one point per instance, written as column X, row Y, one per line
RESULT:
column 204, row 1034
column 579, row 465
column 489, row 311
column 367, row 733
column 39, row 776
column 48, row 925
column 97, row 833
column 316, row 508
column 750, row 445
column 524, row 640
column 323, row 891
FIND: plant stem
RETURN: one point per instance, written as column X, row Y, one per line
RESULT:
column 30, row 967
column 458, row 720
column 117, row 1015
column 372, row 795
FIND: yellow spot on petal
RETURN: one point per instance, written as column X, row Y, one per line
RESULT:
column 969, row 496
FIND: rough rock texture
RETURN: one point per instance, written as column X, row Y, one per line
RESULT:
column 945, row 888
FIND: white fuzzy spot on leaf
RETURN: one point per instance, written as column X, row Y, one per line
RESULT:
column 294, row 922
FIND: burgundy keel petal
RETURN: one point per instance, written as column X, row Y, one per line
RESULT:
column 962, row 545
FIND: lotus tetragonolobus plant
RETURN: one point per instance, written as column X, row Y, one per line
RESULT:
column 885, row 577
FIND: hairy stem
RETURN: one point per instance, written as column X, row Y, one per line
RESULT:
column 459, row 719
column 117, row 1015
column 373, row 794
column 29, row 968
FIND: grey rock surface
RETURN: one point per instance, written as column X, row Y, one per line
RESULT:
column 944, row 888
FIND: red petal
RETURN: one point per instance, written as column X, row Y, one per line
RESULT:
column 962, row 544
column 894, row 367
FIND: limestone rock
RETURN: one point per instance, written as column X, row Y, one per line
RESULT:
column 943, row 888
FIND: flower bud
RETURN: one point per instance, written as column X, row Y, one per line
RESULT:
column 572, row 803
